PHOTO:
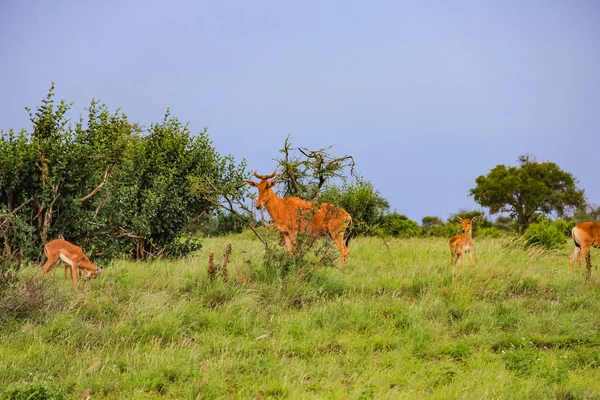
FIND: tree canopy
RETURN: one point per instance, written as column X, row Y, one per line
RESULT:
column 528, row 189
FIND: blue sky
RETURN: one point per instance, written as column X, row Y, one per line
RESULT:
column 426, row 95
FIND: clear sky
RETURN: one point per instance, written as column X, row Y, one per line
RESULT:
column 426, row 95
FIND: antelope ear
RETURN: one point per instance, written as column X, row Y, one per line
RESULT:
column 475, row 218
column 251, row 183
column 272, row 183
column 458, row 218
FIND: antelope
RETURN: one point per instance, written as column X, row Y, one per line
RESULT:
column 60, row 249
column 585, row 235
column 464, row 242
column 292, row 216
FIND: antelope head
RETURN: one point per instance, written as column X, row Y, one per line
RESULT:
column 264, row 186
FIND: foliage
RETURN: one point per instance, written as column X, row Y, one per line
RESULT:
column 222, row 223
column 481, row 222
column 362, row 201
column 105, row 183
column 490, row 232
column 397, row 225
column 505, row 224
column 430, row 224
column 546, row 233
column 304, row 172
column 153, row 199
column 589, row 212
column 527, row 189
column 434, row 226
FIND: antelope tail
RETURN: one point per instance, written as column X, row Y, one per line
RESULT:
column 574, row 236
column 351, row 233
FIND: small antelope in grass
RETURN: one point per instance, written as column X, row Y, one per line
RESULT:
column 293, row 216
column 463, row 242
column 59, row 249
column 585, row 236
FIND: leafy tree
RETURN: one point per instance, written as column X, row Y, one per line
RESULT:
column 52, row 177
column 505, row 224
column 222, row 223
column 106, row 183
column 429, row 224
column 154, row 198
column 481, row 222
column 526, row 190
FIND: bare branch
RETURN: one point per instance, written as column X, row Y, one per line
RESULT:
column 100, row 186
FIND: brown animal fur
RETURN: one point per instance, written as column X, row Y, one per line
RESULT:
column 293, row 216
column 60, row 249
column 585, row 236
column 463, row 243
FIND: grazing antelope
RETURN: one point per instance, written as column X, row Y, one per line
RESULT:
column 585, row 235
column 60, row 249
column 293, row 216
column 463, row 242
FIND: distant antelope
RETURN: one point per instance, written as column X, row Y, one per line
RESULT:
column 293, row 216
column 463, row 242
column 585, row 236
column 59, row 249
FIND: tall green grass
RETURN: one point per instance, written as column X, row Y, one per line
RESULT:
column 398, row 321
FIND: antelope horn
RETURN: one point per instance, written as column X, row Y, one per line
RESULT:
column 264, row 176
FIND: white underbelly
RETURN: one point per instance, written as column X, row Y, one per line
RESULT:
column 66, row 259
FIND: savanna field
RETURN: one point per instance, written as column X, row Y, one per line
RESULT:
column 398, row 321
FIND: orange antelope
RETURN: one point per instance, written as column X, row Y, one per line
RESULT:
column 463, row 242
column 293, row 216
column 585, row 235
column 60, row 249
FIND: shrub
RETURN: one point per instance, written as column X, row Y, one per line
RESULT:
column 398, row 225
column 545, row 233
column 491, row 232
column 21, row 298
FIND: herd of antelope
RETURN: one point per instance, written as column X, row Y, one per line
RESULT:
column 292, row 216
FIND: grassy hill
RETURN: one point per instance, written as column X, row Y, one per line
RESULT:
column 396, row 322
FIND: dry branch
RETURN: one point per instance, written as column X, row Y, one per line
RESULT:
column 100, row 186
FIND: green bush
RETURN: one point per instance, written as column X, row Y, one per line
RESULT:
column 545, row 233
column 362, row 201
column 398, row 225
column 491, row 232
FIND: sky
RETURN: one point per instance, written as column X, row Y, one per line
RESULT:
column 425, row 95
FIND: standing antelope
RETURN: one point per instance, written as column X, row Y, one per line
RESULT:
column 60, row 249
column 293, row 216
column 585, row 235
column 463, row 242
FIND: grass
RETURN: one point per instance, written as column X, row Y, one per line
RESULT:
column 396, row 322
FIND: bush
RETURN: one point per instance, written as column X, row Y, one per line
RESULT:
column 398, row 225
column 310, row 253
column 362, row 201
column 22, row 298
column 545, row 233
column 491, row 232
